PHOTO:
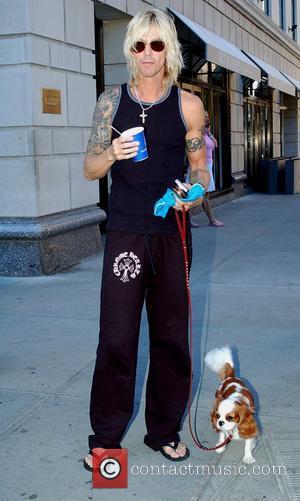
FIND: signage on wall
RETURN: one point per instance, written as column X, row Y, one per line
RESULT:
column 51, row 101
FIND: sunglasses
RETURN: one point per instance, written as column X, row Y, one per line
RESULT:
column 156, row 45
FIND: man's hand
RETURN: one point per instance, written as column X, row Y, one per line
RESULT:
column 123, row 148
column 186, row 205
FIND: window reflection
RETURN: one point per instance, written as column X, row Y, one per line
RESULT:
column 253, row 88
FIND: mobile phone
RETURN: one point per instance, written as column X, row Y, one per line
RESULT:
column 183, row 189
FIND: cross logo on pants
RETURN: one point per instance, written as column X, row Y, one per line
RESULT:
column 127, row 265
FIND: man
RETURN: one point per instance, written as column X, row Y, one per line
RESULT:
column 143, row 255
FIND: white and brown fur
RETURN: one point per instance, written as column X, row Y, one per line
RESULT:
column 234, row 404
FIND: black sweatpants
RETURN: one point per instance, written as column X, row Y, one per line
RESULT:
column 137, row 268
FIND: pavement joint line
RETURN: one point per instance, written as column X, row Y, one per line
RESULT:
column 39, row 315
column 73, row 378
column 226, row 485
column 275, row 455
column 227, row 482
column 35, row 393
column 137, row 402
column 27, row 341
column 33, row 340
column 20, row 418
column 76, row 376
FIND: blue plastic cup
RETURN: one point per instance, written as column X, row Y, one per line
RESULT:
column 138, row 135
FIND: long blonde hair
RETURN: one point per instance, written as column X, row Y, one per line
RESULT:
column 139, row 27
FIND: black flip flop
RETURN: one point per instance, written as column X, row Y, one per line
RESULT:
column 174, row 447
column 86, row 465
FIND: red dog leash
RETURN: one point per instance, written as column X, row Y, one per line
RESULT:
column 182, row 231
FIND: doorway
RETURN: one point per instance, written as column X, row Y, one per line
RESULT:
column 257, row 129
column 110, row 26
column 215, row 102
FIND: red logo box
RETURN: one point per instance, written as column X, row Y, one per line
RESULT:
column 110, row 468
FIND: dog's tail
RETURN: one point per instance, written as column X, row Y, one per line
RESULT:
column 220, row 361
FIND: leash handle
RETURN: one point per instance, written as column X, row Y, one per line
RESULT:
column 182, row 231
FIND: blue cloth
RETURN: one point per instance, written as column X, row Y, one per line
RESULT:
column 169, row 199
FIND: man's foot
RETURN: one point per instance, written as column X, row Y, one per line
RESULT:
column 88, row 460
column 175, row 451
column 216, row 222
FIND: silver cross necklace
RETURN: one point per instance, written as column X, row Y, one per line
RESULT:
column 143, row 114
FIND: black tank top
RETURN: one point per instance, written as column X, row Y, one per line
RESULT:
column 136, row 186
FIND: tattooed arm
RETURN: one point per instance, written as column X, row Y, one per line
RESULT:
column 99, row 157
column 101, row 153
column 193, row 111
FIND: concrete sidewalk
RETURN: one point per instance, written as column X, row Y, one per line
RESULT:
column 246, row 293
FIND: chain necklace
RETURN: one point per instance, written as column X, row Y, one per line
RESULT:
column 143, row 114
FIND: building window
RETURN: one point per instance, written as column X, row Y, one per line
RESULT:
column 282, row 14
column 254, row 89
column 266, row 7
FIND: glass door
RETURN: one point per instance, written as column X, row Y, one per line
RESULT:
column 257, row 127
column 215, row 103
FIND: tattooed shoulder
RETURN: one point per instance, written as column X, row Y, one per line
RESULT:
column 100, row 137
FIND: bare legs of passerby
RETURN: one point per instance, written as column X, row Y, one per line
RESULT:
column 213, row 221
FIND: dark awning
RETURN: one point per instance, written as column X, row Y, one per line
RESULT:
column 292, row 80
column 276, row 80
column 221, row 52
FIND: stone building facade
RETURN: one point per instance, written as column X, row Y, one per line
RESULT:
column 242, row 58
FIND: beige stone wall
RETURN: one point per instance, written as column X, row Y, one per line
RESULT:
column 237, row 126
column 115, row 69
column 243, row 23
column 45, row 45
column 290, row 131
column 50, row 44
column 276, row 124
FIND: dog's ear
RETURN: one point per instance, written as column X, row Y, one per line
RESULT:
column 213, row 413
column 218, row 394
column 247, row 427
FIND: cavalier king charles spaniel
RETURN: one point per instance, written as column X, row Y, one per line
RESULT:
column 234, row 404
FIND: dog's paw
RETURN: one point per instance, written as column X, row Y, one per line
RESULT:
column 221, row 449
column 248, row 459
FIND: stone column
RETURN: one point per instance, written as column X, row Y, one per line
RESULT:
column 237, row 132
column 48, row 214
column 290, row 126
column 276, row 139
